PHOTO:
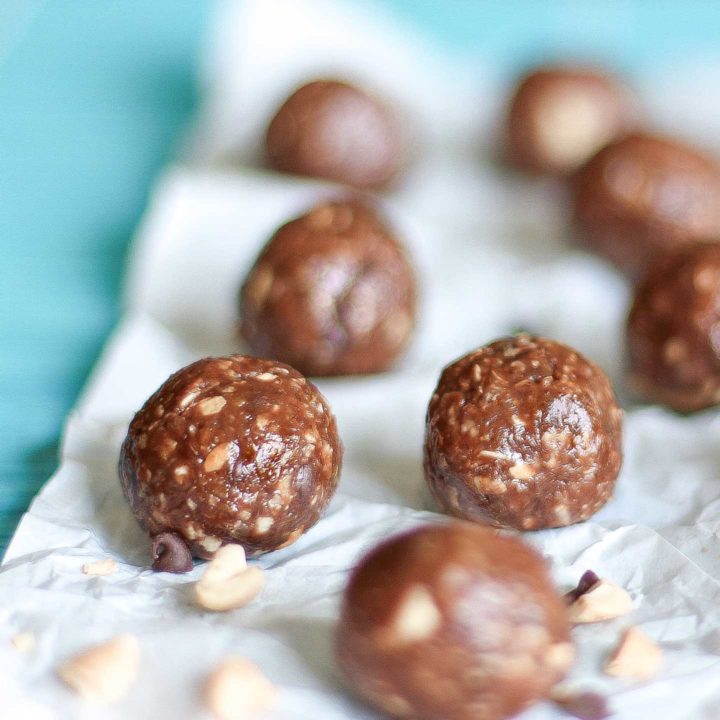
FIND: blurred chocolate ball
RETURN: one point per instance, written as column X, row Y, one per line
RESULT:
column 230, row 450
column 336, row 131
column 523, row 432
column 673, row 329
column 643, row 194
column 560, row 116
column 332, row 293
column 452, row 621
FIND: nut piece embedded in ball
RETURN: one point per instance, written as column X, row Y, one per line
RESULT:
column 642, row 195
column 230, row 450
column 673, row 329
column 333, row 130
column 332, row 293
column 523, row 432
column 453, row 621
column 559, row 117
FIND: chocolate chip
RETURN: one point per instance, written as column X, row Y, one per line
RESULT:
column 171, row 554
column 584, row 705
column 587, row 582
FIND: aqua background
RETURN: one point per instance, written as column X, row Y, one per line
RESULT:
column 94, row 97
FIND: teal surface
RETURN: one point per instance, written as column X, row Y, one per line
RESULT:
column 634, row 35
column 94, row 95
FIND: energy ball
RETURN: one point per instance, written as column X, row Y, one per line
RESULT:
column 231, row 450
column 329, row 129
column 453, row 622
column 524, row 432
column 642, row 195
column 559, row 117
column 332, row 293
column 673, row 330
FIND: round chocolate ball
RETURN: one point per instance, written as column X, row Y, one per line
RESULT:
column 333, row 130
column 642, row 195
column 673, row 329
column 524, row 432
column 559, row 117
column 231, row 450
column 332, row 293
column 453, row 621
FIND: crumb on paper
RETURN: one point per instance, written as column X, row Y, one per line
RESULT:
column 23, row 641
column 108, row 566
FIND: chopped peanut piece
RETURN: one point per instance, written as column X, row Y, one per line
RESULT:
column 237, row 690
column 636, row 656
column 108, row 566
column 603, row 601
column 104, row 673
column 23, row 642
column 228, row 582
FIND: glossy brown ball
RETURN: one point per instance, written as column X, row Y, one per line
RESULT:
column 333, row 130
column 644, row 194
column 673, row 329
column 523, row 432
column 231, row 450
column 452, row 622
column 559, row 117
column 332, row 293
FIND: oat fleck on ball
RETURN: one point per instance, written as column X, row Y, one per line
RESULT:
column 523, row 432
column 673, row 330
column 231, row 450
column 332, row 293
column 559, row 117
column 333, row 130
column 642, row 195
column 452, row 621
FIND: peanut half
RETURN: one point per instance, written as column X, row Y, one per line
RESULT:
column 603, row 601
column 636, row 656
column 103, row 673
column 228, row 582
column 237, row 689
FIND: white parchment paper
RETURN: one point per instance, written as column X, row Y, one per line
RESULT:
column 492, row 255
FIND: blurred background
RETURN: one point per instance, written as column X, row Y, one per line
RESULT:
column 96, row 96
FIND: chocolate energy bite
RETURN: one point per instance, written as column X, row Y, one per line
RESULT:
column 230, row 450
column 523, row 432
column 332, row 293
column 561, row 116
column 452, row 622
column 333, row 130
column 673, row 329
column 644, row 194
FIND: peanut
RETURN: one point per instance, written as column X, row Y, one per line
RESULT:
column 23, row 642
column 603, row 601
column 103, row 673
column 635, row 656
column 108, row 566
column 228, row 582
column 237, row 689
